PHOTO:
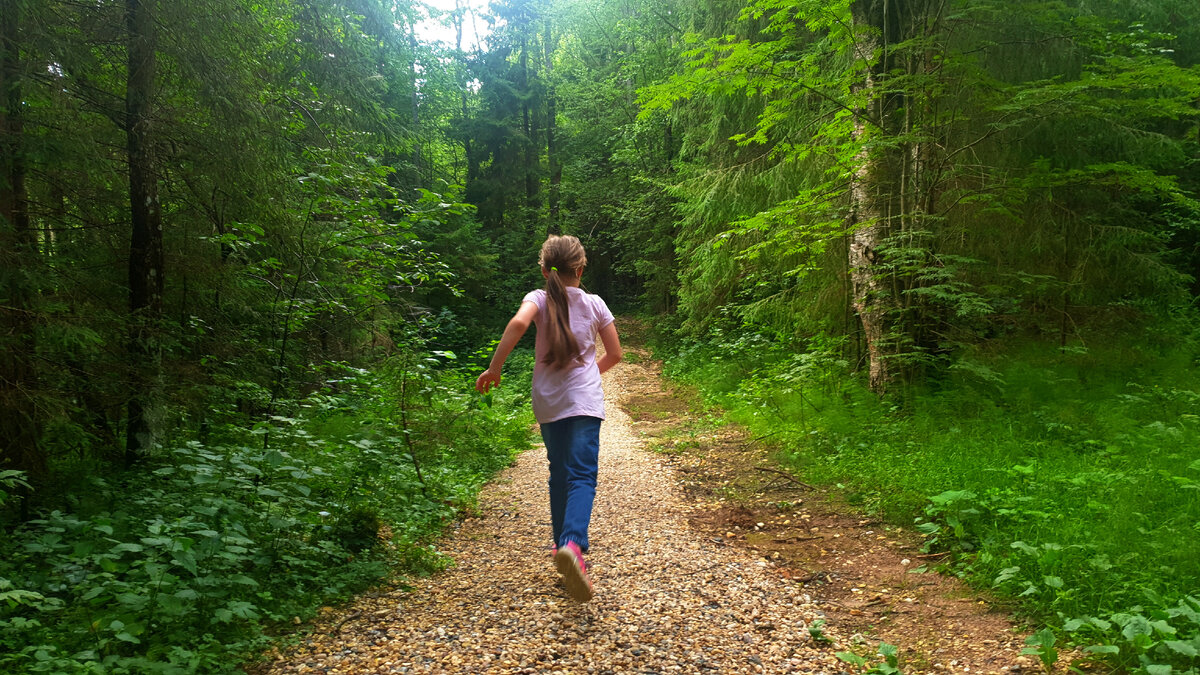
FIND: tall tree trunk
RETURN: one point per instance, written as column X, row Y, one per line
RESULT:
column 468, row 150
column 459, row 19
column 668, row 147
column 146, row 240
column 20, row 433
column 551, row 122
column 416, row 101
column 871, row 295
column 58, row 207
column 527, row 127
column 895, row 183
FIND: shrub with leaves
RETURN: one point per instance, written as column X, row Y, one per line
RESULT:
column 183, row 566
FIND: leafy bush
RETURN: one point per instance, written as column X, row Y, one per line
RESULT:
column 184, row 565
column 1068, row 480
column 1156, row 640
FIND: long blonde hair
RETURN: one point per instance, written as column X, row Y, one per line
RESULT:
column 562, row 257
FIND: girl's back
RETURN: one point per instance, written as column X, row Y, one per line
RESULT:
column 575, row 389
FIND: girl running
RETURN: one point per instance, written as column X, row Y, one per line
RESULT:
column 568, row 401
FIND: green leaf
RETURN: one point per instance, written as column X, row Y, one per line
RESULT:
column 1179, row 647
column 16, row 597
column 851, row 658
column 1162, row 627
column 1024, row 548
column 928, row 528
column 243, row 610
column 131, row 599
column 1137, row 625
column 1102, row 649
column 1044, row 637
column 186, row 560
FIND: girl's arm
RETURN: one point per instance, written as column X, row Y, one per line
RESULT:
column 612, row 347
column 512, row 334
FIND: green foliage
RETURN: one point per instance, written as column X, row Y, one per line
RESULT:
column 888, row 664
column 1042, row 645
column 1064, row 479
column 1008, row 194
column 1155, row 640
column 816, row 630
column 10, row 479
column 345, row 209
column 184, row 566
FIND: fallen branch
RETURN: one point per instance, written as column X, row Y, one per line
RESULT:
column 337, row 628
column 756, row 439
column 785, row 475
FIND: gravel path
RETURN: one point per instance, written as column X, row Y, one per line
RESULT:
column 667, row 600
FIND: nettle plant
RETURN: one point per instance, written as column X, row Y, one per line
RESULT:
column 1158, row 637
column 184, row 566
column 186, row 559
column 1157, row 640
column 886, row 660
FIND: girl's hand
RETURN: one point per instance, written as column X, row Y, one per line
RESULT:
column 512, row 334
column 486, row 381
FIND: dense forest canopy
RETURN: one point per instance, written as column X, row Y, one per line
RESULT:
column 245, row 242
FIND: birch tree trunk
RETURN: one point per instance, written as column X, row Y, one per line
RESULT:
column 893, row 188
column 870, row 295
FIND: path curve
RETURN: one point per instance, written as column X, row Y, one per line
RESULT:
column 667, row 600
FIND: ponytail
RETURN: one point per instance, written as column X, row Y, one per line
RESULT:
column 561, row 255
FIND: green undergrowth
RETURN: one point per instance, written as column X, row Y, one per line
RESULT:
column 194, row 560
column 1066, row 480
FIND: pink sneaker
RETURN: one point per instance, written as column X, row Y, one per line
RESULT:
column 570, row 564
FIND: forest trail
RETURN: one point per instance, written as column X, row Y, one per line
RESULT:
column 682, row 584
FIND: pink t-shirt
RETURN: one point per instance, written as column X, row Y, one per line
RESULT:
column 575, row 389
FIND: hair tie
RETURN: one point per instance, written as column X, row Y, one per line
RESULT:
column 553, row 269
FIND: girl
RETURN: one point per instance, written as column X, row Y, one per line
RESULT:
column 568, row 401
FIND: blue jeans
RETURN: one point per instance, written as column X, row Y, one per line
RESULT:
column 573, row 448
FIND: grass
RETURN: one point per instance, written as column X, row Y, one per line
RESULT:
column 1070, row 482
